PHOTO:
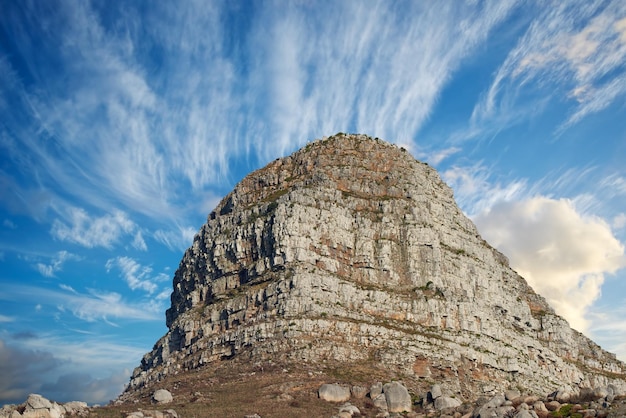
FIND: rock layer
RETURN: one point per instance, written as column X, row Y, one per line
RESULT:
column 350, row 250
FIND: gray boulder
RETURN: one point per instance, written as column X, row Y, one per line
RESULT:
column 332, row 392
column 35, row 401
column 444, row 402
column 380, row 402
column 397, row 397
column 162, row 396
column 376, row 389
column 359, row 392
column 435, row 392
column 526, row 414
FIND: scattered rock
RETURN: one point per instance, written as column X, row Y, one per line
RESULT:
column 162, row 396
column 553, row 406
column 350, row 409
column 358, row 392
column 333, row 392
column 376, row 389
column 435, row 392
column 512, row 394
column 398, row 397
column 445, row 402
column 36, row 406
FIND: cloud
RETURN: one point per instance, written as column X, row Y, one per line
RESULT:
column 60, row 370
column 178, row 240
column 619, row 221
column 21, row 370
column 84, row 387
column 475, row 192
column 564, row 255
column 573, row 51
column 91, row 232
column 56, row 264
column 136, row 275
column 92, row 306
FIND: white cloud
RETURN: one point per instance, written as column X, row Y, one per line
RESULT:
column 473, row 190
column 570, row 51
column 562, row 254
column 178, row 240
column 90, row 232
column 136, row 275
column 139, row 243
column 96, row 305
column 619, row 221
column 56, row 264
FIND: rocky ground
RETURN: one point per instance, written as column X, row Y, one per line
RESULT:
column 279, row 390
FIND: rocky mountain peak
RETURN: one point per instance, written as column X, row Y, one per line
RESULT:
column 350, row 253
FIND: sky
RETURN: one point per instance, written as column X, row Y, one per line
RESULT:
column 124, row 123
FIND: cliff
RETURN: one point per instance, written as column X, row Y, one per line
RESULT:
column 352, row 253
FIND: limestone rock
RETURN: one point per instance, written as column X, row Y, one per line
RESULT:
column 376, row 389
column 352, row 238
column 358, row 392
column 35, row 401
column 333, row 392
column 162, row 396
column 397, row 397
column 444, row 402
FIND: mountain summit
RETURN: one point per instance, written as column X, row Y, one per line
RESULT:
column 350, row 254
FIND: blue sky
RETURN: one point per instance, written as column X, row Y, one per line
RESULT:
column 124, row 123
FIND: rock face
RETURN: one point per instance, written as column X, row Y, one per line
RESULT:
column 352, row 251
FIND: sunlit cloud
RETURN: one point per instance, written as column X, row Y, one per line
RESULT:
column 564, row 255
column 570, row 51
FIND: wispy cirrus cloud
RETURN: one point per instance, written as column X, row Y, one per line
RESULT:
column 92, row 306
column 136, row 275
column 574, row 51
column 361, row 83
column 148, row 134
column 56, row 263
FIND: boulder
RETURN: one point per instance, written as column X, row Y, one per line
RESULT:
column 35, row 401
column 435, row 392
column 376, row 389
column 359, row 392
column 512, row 394
column 333, row 392
column 350, row 409
column 380, row 402
column 444, row 402
column 398, row 397
column 162, row 396
column 526, row 414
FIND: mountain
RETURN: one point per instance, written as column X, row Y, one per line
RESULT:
column 349, row 255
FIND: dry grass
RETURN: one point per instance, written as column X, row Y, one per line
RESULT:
column 234, row 390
